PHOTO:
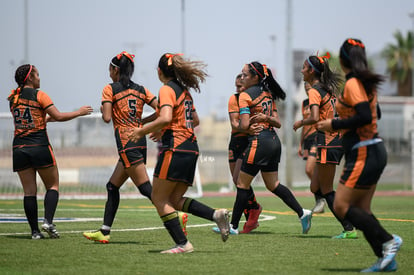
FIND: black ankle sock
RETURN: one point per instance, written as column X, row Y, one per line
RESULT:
column 287, row 197
column 145, row 189
column 30, row 208
column 112, row 203
column 318, row 195
column 105, row 232
column 50, row 203
column 198, row 209
column 346, row 224
column 239, row 206
column 251, row 202
column 172, row 224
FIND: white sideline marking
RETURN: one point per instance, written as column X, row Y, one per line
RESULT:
column 262, row 218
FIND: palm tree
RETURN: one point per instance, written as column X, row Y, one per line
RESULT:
column 399, row 58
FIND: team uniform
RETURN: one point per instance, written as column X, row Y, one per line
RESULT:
column 309, row 132
column 31, row 147
column 127, row 108
column 365, row 153
column 263, row 151
column 179, row 149
column 238, row 141
column 328, row 143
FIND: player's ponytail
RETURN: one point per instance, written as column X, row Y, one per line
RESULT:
column 22, row 74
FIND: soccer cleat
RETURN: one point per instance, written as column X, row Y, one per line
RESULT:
column 183, row 217
column 187, row 248
column 346, row 235
column 51, row 230
column 319, row 206
column 253, row 221
column 36, row 235
column 232, row 231
column 221, row 217
column 97, row 236
column 306, row 221
column 389, row 250
column 376, row 267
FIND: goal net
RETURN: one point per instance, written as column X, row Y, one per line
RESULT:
column 86, row 156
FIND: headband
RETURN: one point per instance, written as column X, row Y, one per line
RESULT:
column 170, row 57
column 321, row 60
column 30, row 70
column 251, row 64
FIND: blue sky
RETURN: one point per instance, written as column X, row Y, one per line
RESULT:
column 72, row 42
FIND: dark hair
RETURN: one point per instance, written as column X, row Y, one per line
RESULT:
column 126, row 67
column 186, row 72
column 353, row 57
column 22, row 74
column 329, row 80
column 266, row 80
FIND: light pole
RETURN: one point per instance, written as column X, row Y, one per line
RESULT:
column 183, row 26
column 289, row 104
column 412, row 55
column 273, row 39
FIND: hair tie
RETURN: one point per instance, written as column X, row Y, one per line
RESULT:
column 127, row 54
column 14, row 94
column 30, row 70
column 321, row 58
column 170, row 57
column 251, row 64
column 355, row 43
column 265, row 70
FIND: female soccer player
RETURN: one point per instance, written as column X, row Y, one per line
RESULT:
column 178, row 155
column 123, row 102
column 307, row 149
column 238, row 143
column 322, row 98
column 32, row 151
column 257, row 105
column 365, row 154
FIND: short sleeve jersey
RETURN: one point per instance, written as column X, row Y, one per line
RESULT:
column 353, row 94
column 180, row 100
column 233, row 108
column 307, row 129
column 127, row 103
column 254, row 100
column 326, row 104
column 29, row 117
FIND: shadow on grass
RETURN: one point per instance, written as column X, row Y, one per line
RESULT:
column 341, row 269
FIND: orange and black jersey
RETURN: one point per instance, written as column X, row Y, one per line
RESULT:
column 326, row 103
column 127, row 103
column 233, row 108
column 307, row 129
column 29, row 117
column 181, row 127
column 353, row 97
column 254, row 100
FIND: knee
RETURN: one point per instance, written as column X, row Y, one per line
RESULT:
column 309, row 172
column 111, row 188
column 340, row 208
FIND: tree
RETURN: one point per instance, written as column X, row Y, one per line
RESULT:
column 400, row 64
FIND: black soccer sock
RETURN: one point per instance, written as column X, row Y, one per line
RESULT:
column 374, row 233
column 145, row 189
column 287, row 197
column 30, row 208
column 111, row 205
column 198, row 209
column 50, row 203
column 251, row 202
column 239, row 206
column 318, row 195
column 172, row 224
column 346, row 224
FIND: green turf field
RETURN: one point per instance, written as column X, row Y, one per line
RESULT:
column 276, row 247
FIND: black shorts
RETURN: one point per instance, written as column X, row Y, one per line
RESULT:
column 262, row 153
column 237, row 146
column 364, row 166
column 331, row 153
column 37, row 157
column 178, row 164
column 133, row 152
column 309, row 145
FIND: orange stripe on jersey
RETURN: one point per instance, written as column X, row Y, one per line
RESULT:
column 165, row 165
column 358, row 168
column 252, row 152
column 53, row 155
column 323, row 155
